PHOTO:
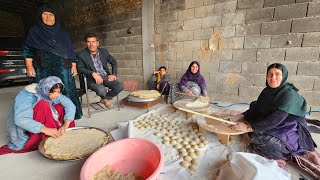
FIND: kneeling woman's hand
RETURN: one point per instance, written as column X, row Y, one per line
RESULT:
column 241, row 127
column 53, row 132
column 63, row 128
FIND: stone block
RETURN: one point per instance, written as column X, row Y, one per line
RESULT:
column 192, row 24
column 248, row 29
column 184, row 35
column 226, row 31
column 212, row 87
column 229, row 66
column 302, row 54
column 191, row 45
column 204, row 11
column 311, row 39
column 259, row 15
column 184, row 56
column 134, row 48
column 309, row 69
column 225, row 89
column 233, row 18
column 316, row 85
column 136, row 39
column 232, row 43
column 254, row 67
column 250, row 4
column 211, row 66
column 202, row 55
column 273, row 3
column 312, row 97
column 176, row 46
column 225, row 7
column 302, row 1
column 175, row 26
column 139, row 63
column 309, row 24
column 276, row 27
column 245, row 55
column 271, row 55
column 206, row 2
column 217, row 77
column 211, row 21
column 202, row 33
column 252, row 42
column 170, row 36
column 193, row 3
column 187, row 14
column 303, row 83
column 314, row 9
column 291, row 11
column 260, row 80
column 222, row 55
column 247, row 91
column 286, row 41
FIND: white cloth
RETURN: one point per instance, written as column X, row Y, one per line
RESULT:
column 247, row 166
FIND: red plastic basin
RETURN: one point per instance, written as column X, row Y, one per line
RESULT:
column 132, row 155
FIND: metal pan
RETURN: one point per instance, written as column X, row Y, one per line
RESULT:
column 137, row 99
column 41, row 144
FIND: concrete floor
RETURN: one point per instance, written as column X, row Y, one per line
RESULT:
column 33, row 166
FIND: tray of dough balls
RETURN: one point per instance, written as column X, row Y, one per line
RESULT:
column 188, row 153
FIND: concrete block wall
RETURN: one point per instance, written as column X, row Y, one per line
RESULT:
column 110, row 20
column 235, row 41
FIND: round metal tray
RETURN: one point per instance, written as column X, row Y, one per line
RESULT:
column 137, row 99
column 41, row 144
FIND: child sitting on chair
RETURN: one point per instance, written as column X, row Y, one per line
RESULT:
column 159, row 81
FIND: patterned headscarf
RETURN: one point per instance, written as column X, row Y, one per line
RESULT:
column 44, row 86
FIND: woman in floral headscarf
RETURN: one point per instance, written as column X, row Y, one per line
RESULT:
column 192, row 84
column 40, row 110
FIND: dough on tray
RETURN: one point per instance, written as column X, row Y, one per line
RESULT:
column 145, row 94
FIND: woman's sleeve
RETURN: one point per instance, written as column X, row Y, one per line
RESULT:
column 23, row 113
column 74, row 60
column 28, row 52
column 69, row 107
column 270, row 122
column 183, row 83
column 203, row 86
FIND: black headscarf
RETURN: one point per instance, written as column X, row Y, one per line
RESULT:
column 285, row 97
column 50, row 38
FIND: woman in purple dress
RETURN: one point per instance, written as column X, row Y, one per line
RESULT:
column 192, row 84
column 277, row 124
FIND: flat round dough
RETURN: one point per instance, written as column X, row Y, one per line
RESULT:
column 145, row 94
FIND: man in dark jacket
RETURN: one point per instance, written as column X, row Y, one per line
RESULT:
column 93, row 63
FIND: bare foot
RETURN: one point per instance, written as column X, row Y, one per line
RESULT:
column 106, row 103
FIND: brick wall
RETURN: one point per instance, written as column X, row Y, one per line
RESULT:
column 110, row 20
column 235, row 41
column 11, row 25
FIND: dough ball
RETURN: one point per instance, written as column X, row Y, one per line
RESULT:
column 183, row 154
column 187, row 158
column 171, row 131
column 190, row 136
column 205, row 141
column 166, row 138
column 195, row 161
column 182, row 150
column 201, row 145
column 193, row 143
column 179, row 139
column 193, row 155
column 190, row 150
column 199, row 153
column 185, row 138
column 174, row 137
column 177, row 146
column 199, row 134
column 157, row 134
column 193, row 168
column 185, row 164
column 185, row 142
column 202, row 138
column 165, row 142
column 173, row 142
column 186, row 146
column 195, row 146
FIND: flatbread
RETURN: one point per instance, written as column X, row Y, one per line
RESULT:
column 200, row 102
column 75, row 144
column 146, row 94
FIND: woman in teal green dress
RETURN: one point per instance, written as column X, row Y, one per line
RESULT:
column 48, row 51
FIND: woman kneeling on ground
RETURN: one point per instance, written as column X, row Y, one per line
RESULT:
column 277, row 123
column 40, row 110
